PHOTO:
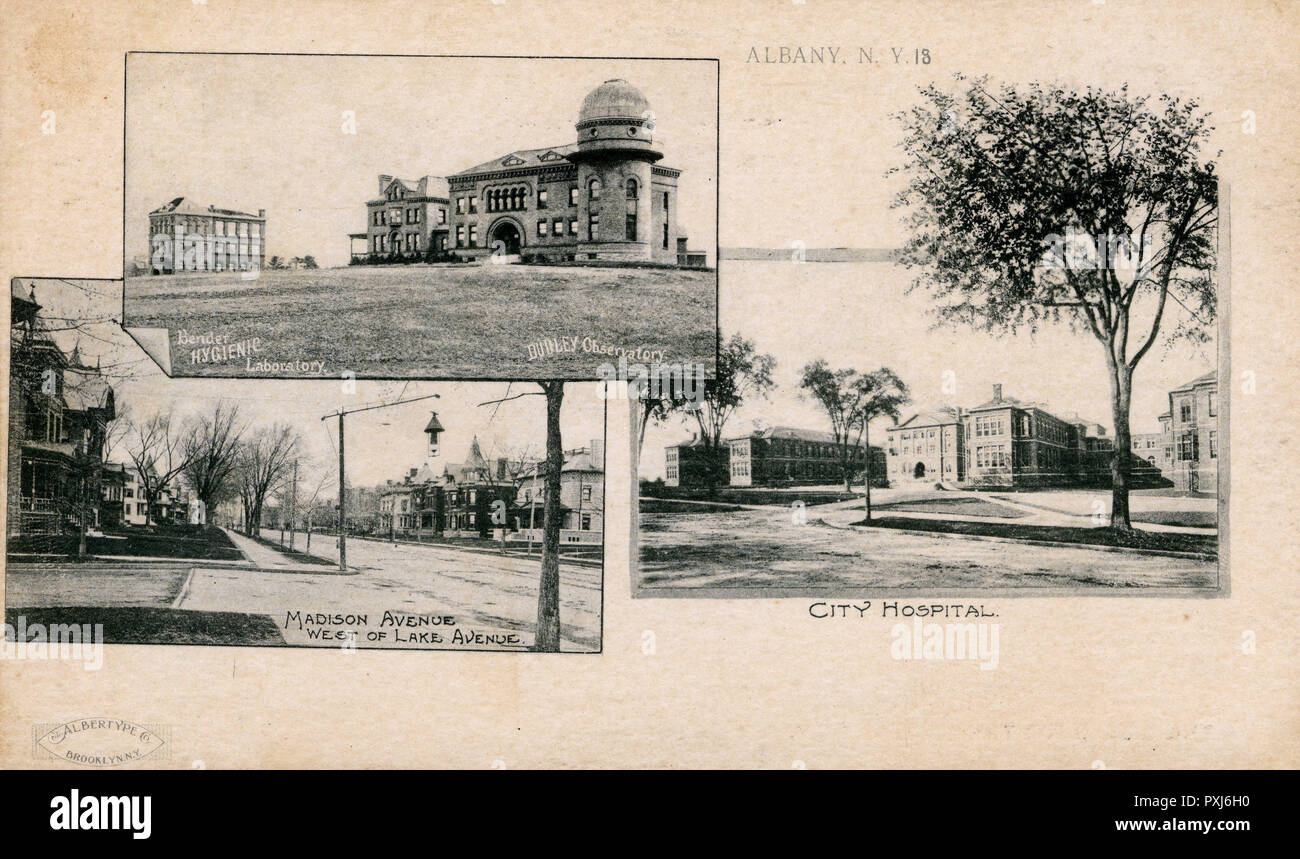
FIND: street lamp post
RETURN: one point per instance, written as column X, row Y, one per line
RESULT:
column 340, row 414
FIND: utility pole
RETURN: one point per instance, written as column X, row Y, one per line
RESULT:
column 340, row 414
column 343, row 515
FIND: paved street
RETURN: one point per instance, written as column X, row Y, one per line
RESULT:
column 482, row 592
column 398, row 596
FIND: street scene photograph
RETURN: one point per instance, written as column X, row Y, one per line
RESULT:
column 322, row 513
column 566, row 220
column 1033, row 402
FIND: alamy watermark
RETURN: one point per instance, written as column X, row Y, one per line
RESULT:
column 63, row 641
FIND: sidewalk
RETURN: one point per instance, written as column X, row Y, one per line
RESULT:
column 270, row 560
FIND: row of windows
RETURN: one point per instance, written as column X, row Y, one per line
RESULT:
column 516, row 198
column 242, row 229
column 985, row 426
column 556, row 227
column 394, row 217
column 384, row 244
column 991, row 456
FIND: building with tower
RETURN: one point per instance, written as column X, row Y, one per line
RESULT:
column 605, row 196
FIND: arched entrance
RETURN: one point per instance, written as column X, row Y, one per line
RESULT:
column 919, row 471
column 509, row 237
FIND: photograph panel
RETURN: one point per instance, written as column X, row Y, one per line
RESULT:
column 1013, row 385
column 420, row 217
column 315, row 513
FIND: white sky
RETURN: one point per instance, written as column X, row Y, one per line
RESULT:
column 380, row 445
column 266, row 132
column 799, row 313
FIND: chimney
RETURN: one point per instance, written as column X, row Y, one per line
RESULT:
column 997, row 393
column 261, row 213
column 501, row 468
column 384, row 179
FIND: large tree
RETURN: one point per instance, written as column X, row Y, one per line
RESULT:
column 211, row 444
column 852, row 400
column 743, row 373
column 1036, row 205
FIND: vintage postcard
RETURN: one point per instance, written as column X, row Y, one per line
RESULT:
column 496, row 384
column 454, row 217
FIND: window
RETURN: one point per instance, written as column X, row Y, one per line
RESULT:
column 593, row 190
column 631, row 189
column 631, row 227
column 460, row 236
column 541, row 227
column 473, row 204
column 557, row 228
column 586, row 521
column 573, row 226
column 1214, row 404
column 1214, row 445
column 256, row 231
column 1188, row 447
column 573, row 196
column 473, row 235
column 586, row 493
column 593, row 226
column 1186, row 410
column 541, row 198
column 460, row 205
column 442, row 216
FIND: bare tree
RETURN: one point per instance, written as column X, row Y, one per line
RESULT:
column 211, row 444
column 265, row 462
column 157, row 454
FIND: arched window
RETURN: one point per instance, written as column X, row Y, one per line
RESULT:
column 492, row 201
column 593, row 190
column 631, row 189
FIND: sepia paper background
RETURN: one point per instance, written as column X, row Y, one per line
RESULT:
column 1081, row 682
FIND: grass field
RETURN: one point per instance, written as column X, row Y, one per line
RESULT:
column 207, row 543
column 155, row 625
column 963, row 506
column 466, row 321
column 1205, row 544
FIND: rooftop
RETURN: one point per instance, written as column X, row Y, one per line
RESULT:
column 521, row 158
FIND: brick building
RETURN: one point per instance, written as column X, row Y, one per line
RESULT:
column 409, row 218
column 927, row 447
column 1193, row 434
column 185, row 236
column 460, row 500
column 604, row 196
column 691, row 463
column 786, row 455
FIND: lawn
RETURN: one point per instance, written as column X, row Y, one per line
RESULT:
column 181, row 541
column 1168, row 541
column 767, row 553
column 138, row 625
column 962, row 506
column 475, row 321
column 743, row 495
